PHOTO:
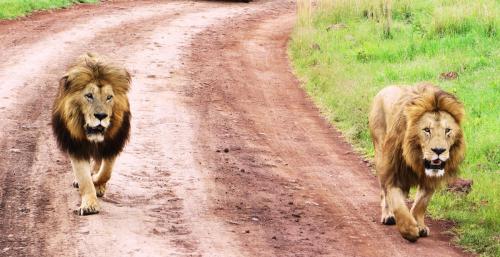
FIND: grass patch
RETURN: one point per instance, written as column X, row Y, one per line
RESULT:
column 345, row 51
column 10, row 9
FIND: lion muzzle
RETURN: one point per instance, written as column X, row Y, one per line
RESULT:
column 99, row 129
column 434, row 168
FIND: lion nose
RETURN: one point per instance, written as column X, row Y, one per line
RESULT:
column 100, row 116
column 438, row 151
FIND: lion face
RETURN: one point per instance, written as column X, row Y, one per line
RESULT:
column 438, row 131
column 96, row 103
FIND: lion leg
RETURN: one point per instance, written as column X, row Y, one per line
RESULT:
column 405, row 222
column 89, row 204
column 96, row 165
column 387, row 214
column 102, row 177
column 419, row 207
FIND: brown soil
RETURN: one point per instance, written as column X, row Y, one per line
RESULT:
column 228, row 155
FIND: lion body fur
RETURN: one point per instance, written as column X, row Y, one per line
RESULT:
column 394, row 121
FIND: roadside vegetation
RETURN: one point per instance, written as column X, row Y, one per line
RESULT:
column 345, row 51
column 10, row 9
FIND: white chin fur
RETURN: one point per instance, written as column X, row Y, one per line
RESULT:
column 95, row 138
column 434, row 173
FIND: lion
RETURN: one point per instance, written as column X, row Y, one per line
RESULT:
column 91, row 122
column 418, row 140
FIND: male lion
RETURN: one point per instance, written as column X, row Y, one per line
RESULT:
column 418, row 142
column 91, row 120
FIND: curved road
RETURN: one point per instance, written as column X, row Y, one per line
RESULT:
column 228, row 156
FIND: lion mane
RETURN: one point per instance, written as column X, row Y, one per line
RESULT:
column 67, row 117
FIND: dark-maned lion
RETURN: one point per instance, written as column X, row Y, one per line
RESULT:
column 418, row 142
column 91, row 120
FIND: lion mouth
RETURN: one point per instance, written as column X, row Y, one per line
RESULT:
column 434, row 164
column 99, row 129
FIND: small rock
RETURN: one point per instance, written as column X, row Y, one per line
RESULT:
column 296, row 215
column 460, row 186
column 242, row 170
column 311, row 202
column 448, row 233
column 6, row 249
column 226, row 150
column 24, row 210
column 14, row 150
column 247, row 231
column 255, row 219
column 315, row 46
column 451, row 75
column 337, row 26
column 274, row 237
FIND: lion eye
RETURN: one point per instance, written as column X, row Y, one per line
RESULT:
column 427, row 130
column 447, row 130
column 109, row 97
column 89, row 96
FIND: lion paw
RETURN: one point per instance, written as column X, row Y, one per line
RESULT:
column 388, row 220
column 88, row 207
column 423, row 231
column 410, row 233
column 100, row 190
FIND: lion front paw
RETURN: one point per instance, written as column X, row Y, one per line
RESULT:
column 409, row 232
column 388, row 220
column 89, row 206
column 423, row 231
column 100, row 190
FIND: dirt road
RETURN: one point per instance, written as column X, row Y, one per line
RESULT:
column 228, row 156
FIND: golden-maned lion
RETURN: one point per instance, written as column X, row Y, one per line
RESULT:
column 418, row 142
column 91, row 120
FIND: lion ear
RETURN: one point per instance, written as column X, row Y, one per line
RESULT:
column 64, row 83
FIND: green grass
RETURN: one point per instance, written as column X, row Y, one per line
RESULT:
column 10, row 9
column 343, row 68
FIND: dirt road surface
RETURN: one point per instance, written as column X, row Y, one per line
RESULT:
column 228, row 156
